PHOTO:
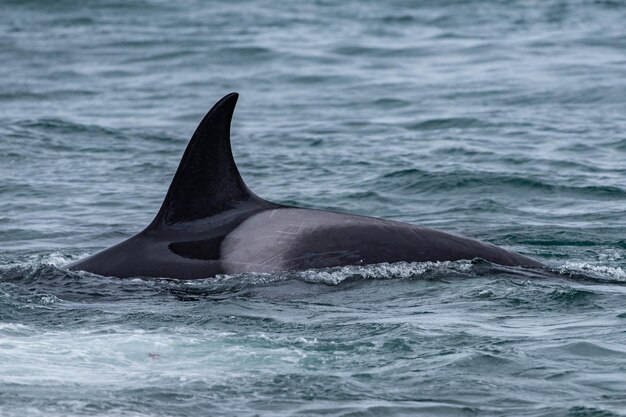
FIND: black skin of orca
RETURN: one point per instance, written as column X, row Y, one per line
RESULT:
column 211, row 223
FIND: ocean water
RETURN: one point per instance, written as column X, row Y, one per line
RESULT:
column 505, row 121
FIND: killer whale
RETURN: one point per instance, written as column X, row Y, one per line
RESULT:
column 210, row 223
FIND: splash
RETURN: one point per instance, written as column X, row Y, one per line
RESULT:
column 598, row 272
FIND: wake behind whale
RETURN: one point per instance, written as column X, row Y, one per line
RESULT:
column 210, row 223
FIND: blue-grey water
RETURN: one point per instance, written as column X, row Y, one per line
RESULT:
column 505, row 121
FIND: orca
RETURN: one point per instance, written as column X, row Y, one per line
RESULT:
column 210, row 223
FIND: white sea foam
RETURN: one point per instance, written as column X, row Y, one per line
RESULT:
column 596, row 271
column 91, row 359
column 398, row 270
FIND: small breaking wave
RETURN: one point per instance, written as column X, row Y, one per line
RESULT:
column 398, row 270
column 605, row 273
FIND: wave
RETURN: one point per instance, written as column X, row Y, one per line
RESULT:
column 40, row 279
column 584, row 270
column 417, row 179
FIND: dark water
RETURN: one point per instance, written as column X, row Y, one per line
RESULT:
column 505, row 121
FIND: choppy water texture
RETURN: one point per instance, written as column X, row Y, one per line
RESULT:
column 505, row 121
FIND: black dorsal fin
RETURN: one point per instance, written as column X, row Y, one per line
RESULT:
column 207, row 181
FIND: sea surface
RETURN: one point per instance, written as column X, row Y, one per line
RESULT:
column 500, row 120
